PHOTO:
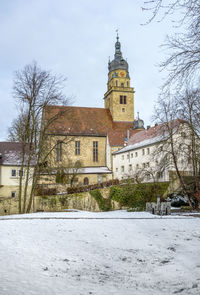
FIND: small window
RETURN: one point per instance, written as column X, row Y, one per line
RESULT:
column 13, row 173
column 122, row 157
column 77, row 147
column 143, row 152
column 148, row 176
column 86, row 181
column 116, row 83
column 136, row 154
column 161, row 148
column 116, row 169
column 147, row 165
column 122, row 84
column 21, row 173
column 122, row 168
column 123, row 110
column 148, row 151
column 127, row 156
column 143, row 165
column 13, row 195
column 130, row 167
column 131, row 155
column 137, row 166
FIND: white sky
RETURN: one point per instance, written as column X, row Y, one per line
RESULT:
column 75, row 39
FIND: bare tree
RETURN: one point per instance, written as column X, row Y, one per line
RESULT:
column 180, row 148
column 183, row 63
column 34, row 89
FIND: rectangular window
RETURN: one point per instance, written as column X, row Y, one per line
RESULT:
column 122, row 99
column 77, row 147
column 143, row 152
column 123, row 110
column 147, row 165
column 122, row 84
column 137, row 166
column 130, row 167
column 127, row 83
column 148, row 151
column 116, row 83
column 131, row 155
column 13, row 194
column 59, row 151
column 136, row 154
column 116, row 169
column 95, row 151
column 127, row 156
column 143, row 165
column 122, row 168
column 122, row 157
column 13, row 173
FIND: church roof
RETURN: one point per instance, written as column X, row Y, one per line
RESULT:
column 117, row 137
column 84, row 121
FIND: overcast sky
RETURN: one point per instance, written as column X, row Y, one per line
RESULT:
column 75, row 39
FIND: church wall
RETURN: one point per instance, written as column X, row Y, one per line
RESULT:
column 86, row 151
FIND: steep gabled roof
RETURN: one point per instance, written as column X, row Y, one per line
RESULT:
column 83, row 121
column 11, row 154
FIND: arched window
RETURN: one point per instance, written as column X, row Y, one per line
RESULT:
column 86, row 181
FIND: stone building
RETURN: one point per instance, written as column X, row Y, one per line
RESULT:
column 89, row 136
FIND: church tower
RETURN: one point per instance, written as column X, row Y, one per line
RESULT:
column 119, row 98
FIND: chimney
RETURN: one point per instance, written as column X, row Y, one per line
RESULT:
column 128, row 134
column 156, row 124
column 148, row 126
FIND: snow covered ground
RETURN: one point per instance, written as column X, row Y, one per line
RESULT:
column 99, row 253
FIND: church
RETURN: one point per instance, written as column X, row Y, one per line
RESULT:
column 85, row 137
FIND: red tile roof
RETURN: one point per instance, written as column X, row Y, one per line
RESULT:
column 152, row 132
column 87, row 121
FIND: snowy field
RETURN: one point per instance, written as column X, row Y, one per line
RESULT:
column 80, row 253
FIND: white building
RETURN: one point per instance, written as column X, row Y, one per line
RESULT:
column 147, row 156
column 10, row 169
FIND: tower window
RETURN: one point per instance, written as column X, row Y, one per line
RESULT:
column 59, row 151
column 116, row 83
column 77, row 147
column 95, row 151
column 123, row 110
column 122, row 99
column 127, row 83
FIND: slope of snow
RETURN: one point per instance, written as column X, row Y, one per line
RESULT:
column 99, row 256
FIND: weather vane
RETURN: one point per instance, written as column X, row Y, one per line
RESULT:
column 117, row 30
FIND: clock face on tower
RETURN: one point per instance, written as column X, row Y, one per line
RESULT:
column 122, row 74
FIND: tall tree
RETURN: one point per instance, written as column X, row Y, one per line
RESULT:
column 33, row 89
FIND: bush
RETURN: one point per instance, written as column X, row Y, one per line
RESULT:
column 104, row 204
column 136, row 195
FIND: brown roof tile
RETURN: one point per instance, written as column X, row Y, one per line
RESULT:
column 85, row 121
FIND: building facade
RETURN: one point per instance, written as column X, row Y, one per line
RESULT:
column 87, row 137
column 148, row 156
